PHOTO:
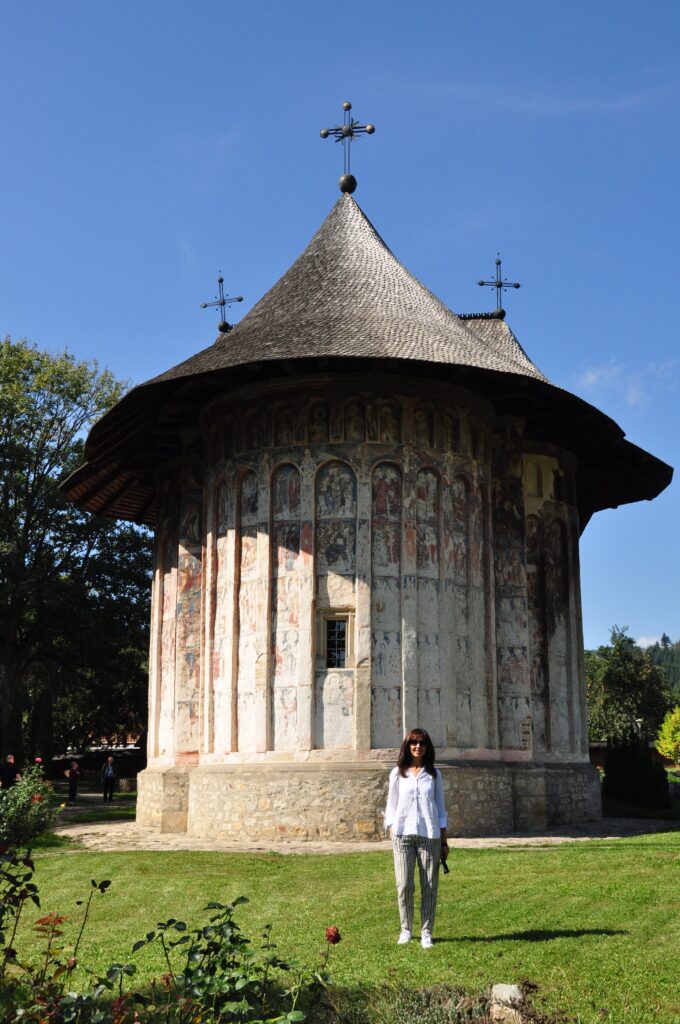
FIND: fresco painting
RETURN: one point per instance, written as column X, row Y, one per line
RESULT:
column 251, row 430
column 451, row 433
column 336, row 548
column 284, row 432
column 429, row 607
column 248, row 499
column 285, row 605
column 188, row 616
column 286, row 493
column 336, row 492
column 355, row 422
column 167, row 652
column 284, row 716
column 422, row 425
column 247, row 607
column 317, row 422
column 390, row 425
column 386, row 657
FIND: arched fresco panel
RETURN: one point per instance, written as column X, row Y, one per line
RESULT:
column 247, row 610
column 386, row 673
column 285, row 605
column 355, row 421
column 428, row 497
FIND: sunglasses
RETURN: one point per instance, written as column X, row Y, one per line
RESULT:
column 417, row 743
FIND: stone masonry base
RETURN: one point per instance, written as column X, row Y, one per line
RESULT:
column 345, row 802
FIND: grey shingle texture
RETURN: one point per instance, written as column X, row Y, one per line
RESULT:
column 348, row 295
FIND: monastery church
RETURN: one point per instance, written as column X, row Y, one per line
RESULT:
column 367, row 513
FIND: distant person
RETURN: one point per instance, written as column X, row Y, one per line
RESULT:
column 73, row 775
column 109, row 778
column 9, row 773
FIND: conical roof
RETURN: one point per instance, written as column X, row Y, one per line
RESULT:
column 348, row 295
column 348, row 304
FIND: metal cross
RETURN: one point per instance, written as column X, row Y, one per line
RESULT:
column 223, row 327
column 346, row 133
column 500, row 284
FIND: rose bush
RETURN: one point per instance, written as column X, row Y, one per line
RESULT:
column 26, row 808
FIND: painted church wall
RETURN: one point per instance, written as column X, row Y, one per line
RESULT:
column 451, row 560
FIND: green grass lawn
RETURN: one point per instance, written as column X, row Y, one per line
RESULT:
column 596, row 925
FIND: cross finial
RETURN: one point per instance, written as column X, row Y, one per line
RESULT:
column 500, row 284
column 346, row 133
column 223, row 327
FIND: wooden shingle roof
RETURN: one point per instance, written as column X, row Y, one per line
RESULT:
column 348, row 304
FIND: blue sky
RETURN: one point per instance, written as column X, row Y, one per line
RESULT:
column 148, row 145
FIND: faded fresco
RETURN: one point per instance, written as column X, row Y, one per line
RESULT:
column 285, row 605
column 188, row 635
column 355, row 421
column 389, row 424
column 334, row 703
column 317, row 422
column 512, row 639
column 428, row 498
column 336, row 543
column 538, row 675
column 422, row 426
column 247, row 610
column 222, row 632
column 166, row 668
column 386, row 665
column 559, row 635
column 284, row 427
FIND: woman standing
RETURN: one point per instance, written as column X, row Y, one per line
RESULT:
column 415, row 818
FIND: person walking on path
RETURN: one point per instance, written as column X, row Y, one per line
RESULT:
column 109, row 778
column 9, row 773
column 72, row 774
column 415, row 818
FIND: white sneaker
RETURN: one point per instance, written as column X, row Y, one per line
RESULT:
column 426, row 940
column 404, row 937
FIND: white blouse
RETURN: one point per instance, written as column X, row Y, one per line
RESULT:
column 415, row 804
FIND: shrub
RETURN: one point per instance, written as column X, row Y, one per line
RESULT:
column 214, row 974
column 632, row 774
column 668, row 740
column 26, row 808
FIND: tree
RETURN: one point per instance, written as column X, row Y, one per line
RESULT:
column 73, row 587
column 668, row 740
column 627, row 692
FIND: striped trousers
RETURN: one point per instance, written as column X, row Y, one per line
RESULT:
column 408, row 849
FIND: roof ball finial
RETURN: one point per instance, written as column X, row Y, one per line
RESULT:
column 346, row 133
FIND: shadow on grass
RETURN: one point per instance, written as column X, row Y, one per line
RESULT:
column 537, row 935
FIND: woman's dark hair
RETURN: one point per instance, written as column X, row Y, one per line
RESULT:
column 405, row 759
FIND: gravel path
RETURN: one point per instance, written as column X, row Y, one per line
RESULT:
column 128, row 835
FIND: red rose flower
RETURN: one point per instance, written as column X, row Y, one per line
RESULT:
column 333, row 935
column 37, row 798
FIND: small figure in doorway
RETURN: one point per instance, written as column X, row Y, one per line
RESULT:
column 109, row 777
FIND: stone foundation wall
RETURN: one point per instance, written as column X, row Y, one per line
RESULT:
column 343, row 802
column 573, row 793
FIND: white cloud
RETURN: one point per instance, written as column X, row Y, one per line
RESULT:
column 647, row 641
column 543, row 104
column 635, row 385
